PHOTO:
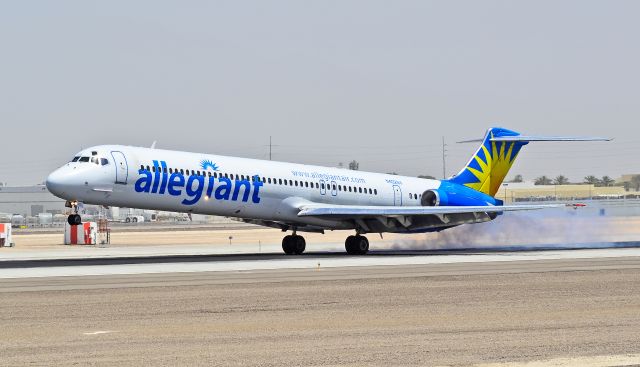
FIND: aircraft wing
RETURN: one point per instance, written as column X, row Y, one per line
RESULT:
column 368, row 211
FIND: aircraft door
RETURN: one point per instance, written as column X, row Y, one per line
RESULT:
column 122, row 167
column 322, row 188
column 334, row 188
column 397, row 195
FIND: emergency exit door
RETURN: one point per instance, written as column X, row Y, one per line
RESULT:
column 397, row 195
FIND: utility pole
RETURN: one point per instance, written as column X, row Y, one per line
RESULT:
column 444, row 160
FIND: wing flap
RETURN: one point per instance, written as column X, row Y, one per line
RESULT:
column 364, row 211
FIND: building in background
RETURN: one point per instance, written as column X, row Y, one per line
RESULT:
column 29, row 201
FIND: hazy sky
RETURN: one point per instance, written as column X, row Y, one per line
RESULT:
column 376, row 81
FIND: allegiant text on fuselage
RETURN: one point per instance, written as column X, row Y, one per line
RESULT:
column 162, row 182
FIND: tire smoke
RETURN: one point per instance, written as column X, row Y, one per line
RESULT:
column 540, row 229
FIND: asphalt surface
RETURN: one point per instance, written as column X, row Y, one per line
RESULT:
column 457, row 313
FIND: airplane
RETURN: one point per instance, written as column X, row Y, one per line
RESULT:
column 295, row 197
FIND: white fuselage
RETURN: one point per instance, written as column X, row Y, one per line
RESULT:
column 145, row 178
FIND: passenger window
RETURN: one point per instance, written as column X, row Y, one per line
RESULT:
column 375, row 191
column 370, row 191
column 142, row 167
column 317, row 185
column 322, row 186
column 290, row 183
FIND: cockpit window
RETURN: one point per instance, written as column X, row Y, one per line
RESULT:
column 84, row 159
column 75, row 159
column 104, row 161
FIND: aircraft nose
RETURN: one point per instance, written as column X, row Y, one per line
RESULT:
column 55, row 183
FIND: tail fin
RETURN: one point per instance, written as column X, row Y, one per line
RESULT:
column 489, row 166
column 487, row 169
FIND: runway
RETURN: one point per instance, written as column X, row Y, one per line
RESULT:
column 156, row 263
column 434, row 308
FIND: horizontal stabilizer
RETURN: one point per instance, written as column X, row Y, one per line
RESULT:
column 523, row 138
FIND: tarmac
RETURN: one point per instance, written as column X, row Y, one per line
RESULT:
column 237, row 305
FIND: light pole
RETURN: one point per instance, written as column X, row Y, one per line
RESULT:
column 505, row 191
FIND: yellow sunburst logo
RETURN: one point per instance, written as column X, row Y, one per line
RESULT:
column 492, row 172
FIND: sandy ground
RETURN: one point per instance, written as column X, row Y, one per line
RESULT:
column 551, row 318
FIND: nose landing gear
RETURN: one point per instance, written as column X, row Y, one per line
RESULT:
column 73, row 219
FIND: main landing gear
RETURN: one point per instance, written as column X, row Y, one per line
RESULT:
column 293, row 244
column 356, row 245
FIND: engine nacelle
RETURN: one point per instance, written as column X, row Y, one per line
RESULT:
column 449, row 194
column 433, row 198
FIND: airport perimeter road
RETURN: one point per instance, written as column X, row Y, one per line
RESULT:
column 436, row 314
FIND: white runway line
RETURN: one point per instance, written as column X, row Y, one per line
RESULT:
column 311, row 262
column 99, row 332
column 591, row 361
column 89, row 252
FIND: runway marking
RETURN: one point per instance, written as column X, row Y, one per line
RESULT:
column 594, row 361
column 99, row 332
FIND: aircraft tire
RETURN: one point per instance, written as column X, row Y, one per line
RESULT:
column 288, row 245
column 299, row 244
column 74, row 219
column 349, row 245
column 356, row 245
column 362, row 245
